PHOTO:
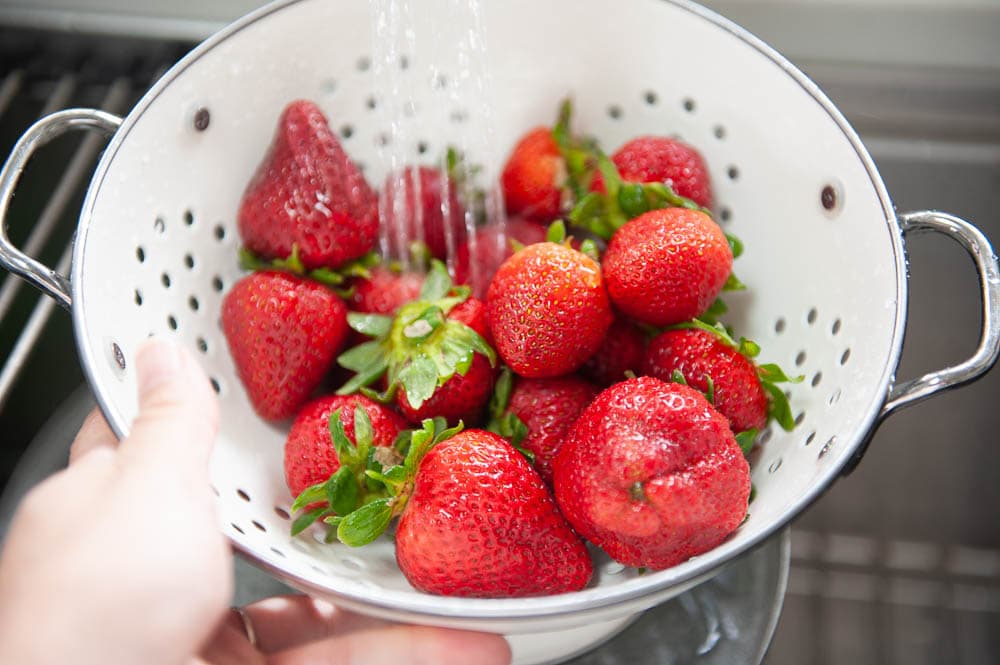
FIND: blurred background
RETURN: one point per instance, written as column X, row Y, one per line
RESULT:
column 900, row 561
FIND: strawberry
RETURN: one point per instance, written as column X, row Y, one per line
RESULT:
column 478, row 259
column 652, row 474
column 548, row 309
column 415, row 208
column 536, row 414
column 310, row 454
column 475, row 519
column 533, row 177
column 463, row 396
column 708, row 359
column 621, row 351
column 284, row 333
column 431, row 356
column 659, row 159
column 384, row 291
column 308, row 194
column 481, row 522
column 667, row 265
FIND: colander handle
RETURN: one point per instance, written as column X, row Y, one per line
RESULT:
column 49, row 281
column 979, row 248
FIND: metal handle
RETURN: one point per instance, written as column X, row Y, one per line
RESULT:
column 979, row 248
column 49, row 281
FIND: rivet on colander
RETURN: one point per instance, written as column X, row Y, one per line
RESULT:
column 119, row 357
column 202, row 118
column 828, row 197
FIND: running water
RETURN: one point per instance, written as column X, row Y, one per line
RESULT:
column 432, row 93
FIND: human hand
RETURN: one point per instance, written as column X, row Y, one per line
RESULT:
column 119, row 558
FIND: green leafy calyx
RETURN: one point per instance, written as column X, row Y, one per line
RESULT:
column 420, row 348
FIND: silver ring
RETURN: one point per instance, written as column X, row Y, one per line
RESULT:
column 248, row 630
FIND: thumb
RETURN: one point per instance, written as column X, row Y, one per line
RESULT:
column 178, row 411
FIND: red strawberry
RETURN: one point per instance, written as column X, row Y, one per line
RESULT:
column 709, row 359
column 548, row 310
column 666, row 160
column 385, row 290
column 310, row 455
column 699, row 356
column 652, row 474
column 431, row 354
column 308, row 194
column 667, row 265
column 416, row 209
column 481, row 523
column 621, row 351
column 462, row 397
column 284, row 333
column 533, row 177
column 491, row 246
column 548, row 408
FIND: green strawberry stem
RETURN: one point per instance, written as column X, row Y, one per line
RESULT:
column 348, row 488
column 577, row 152
column 420, row 348
column 293, row 264
column 372, row 485
column 503, row 422
column 368, row 522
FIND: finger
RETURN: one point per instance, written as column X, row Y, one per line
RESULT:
column 94, row 433
column 285, row 621
column 415, row 645
column 178, row 412
column 230, row 645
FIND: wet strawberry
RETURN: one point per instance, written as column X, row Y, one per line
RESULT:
column 709, row 359
column 431, row 355
column 652, row 474
column 384, row 291
column 416, row 208
column 284, row 333
column 463, row 396
column 621, row 352
column 660, row 159
column 667, row 266
column 492, row 245
column 547, row 409
column 533, row 177
column 308, row 195
column 548, row 310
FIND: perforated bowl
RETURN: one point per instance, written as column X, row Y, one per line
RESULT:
column 156, row 245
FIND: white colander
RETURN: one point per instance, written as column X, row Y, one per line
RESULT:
column 825, row 261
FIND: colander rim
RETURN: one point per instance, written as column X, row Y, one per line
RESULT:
column 469, row 610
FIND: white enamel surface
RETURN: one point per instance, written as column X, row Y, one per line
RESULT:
column 784, row 144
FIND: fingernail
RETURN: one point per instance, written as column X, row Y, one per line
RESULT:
column 157, row 362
